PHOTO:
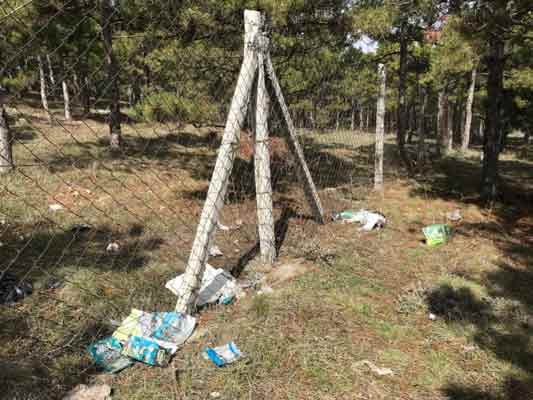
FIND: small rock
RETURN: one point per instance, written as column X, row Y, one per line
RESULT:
column 215, row 395
column 92, row 392
column 222, row 227
column 432, row 317
column 56, row 207
column 113, row 247
column 1, row 244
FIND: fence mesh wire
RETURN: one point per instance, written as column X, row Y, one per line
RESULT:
column 95, row 231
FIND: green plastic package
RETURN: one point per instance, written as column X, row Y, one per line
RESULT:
column 437, row 234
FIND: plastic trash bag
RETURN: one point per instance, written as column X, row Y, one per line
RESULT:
column 218, row 286
column 437, row 234
column 223, row 355
column 369, row 220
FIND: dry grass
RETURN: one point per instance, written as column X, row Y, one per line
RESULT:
column 365, row 296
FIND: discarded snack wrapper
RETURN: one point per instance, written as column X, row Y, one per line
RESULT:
column 223, row 355
column 106, row 353
column 369, row 220
column 218, row 286
column 147, row 351
column 167, row 329
column 437, row 234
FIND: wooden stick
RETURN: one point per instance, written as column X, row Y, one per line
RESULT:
column 304, row 173
column 263, row 186
column 224, row 164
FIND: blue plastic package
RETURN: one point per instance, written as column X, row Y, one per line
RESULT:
column 106, row 354
column 223, row 355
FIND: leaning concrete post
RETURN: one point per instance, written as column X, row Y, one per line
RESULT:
column 263, row 186
column 224, row 164
column 304, row 174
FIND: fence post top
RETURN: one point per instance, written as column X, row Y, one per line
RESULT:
column 253, row 22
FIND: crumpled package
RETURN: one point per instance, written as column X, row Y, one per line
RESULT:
column 223, row 355
column 218, row 286
column 107, row 354
column 369, row 220
column 167, row 329
column 147, row 351
column 437, row 234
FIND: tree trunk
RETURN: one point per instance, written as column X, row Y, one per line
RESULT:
column 352, row 117
column 6, row 152
column 442, row 123
column 368, row 112
column 450, row 126
column 44, row 91
column 380, row 128
column 421, row 145
column 492, row 136
column 51, row 71
column 361, row 119
column 527, row 135
column 469, row 106
column 112, row 75
column 402, row 117
column 66, row 99
column 337, row 120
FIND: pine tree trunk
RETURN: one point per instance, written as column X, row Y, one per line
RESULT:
column 442, row 124
column 44, row 91
column 6, row 152
column 50, row 70
column 380, row 128
column 66, row 99
column 352, row 117
column 421, row 145
column 361, row 119
column 527, row 135
column 469, row 106
column 450, row 126
column 402, row 82
column 112, row 76
column 337, row 121
column 493, row 134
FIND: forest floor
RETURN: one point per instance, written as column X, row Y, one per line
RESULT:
column 357, row 295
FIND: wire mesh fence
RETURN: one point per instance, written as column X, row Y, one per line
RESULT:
column 120, row 165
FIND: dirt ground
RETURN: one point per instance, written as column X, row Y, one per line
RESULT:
column 451, row 322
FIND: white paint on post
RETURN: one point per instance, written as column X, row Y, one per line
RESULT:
column 219, row 181
column 380, row 128
column 304, row 174
column 263, row 186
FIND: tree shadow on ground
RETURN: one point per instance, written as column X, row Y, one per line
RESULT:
column 67, row 309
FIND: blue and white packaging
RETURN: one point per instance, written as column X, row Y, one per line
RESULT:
column 223, row 355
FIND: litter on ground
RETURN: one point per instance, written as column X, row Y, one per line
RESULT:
column 55, row 207
column 368, row 220
column 218, row 286
column 113, row 247
column 12, row 289
column 454, row 215
column 151, row 338
column 437, row 234
column 374, row 368
column 215, row 251
column 223, row 355
column 107, row 354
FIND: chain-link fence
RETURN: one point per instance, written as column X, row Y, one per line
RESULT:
column 132, row 147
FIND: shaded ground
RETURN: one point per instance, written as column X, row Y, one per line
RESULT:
column 366, row 296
